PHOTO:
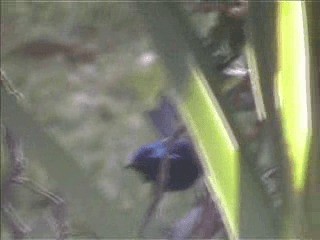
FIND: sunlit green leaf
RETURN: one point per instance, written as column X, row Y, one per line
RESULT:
column 293, row 86
column 217, row 145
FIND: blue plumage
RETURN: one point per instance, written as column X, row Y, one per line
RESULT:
column 184, row 165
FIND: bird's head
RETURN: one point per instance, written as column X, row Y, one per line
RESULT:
column 147, row 154
column 147, row 158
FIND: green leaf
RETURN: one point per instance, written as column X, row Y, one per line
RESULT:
column 218, row 146
column 293, row 86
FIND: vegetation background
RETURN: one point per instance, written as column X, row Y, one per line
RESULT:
column 88, row 72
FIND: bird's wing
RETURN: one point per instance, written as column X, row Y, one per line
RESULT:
column 165, row 117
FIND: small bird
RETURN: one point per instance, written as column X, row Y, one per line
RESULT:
column 184, row 166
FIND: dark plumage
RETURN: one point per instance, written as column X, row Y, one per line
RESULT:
column 184, row 166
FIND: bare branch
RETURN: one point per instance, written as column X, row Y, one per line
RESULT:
column 18, row 228
column 58, row 208
column 17, row 167
column 8, row 85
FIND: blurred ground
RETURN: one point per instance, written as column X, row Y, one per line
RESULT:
column 88, row 72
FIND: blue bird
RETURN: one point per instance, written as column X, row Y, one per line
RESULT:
column 184, row 165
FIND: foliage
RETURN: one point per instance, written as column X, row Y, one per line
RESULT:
column 88, row 73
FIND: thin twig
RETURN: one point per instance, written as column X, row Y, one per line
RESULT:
column 18, row 228
column 17, row 160
column 8, row 85
column 163, row 175
column 16, row 176
column 36, row 188
column 17, row 165
column 58, row 208
column 162, row 179
column 61, row 225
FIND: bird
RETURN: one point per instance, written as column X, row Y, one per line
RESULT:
column 184, row 168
